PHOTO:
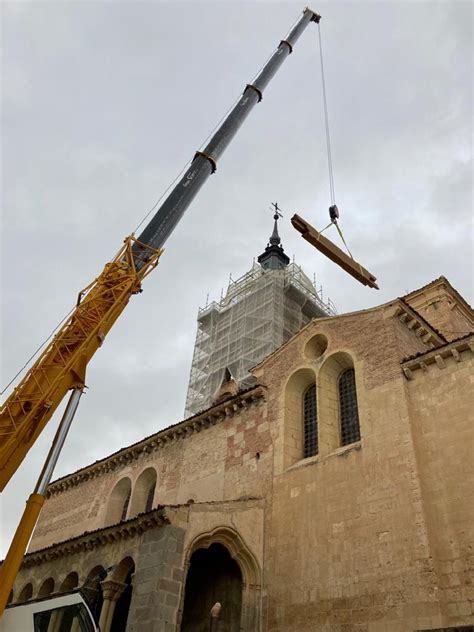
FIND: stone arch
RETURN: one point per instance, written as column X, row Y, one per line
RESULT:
column 93, row 577
column 70, row 582
column 122, row 569
column 213, row 577
column 296, row 385
column 248, row 565
column 143, row 495
column 117, row 592
column 26, row 593
column 117, row 507
column 46, row 588
column 328, row 399
column 92, row 589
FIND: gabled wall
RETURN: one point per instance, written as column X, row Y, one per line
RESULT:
column 444, row 308
column 348, row 539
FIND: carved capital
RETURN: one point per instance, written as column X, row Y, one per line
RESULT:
column 112, row 589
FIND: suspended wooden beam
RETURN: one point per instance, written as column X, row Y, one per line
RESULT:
column 334, row 253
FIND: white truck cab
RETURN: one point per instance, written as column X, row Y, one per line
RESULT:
column 65, row 613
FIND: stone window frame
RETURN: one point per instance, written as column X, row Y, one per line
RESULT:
column 118, row 502
column 296, row 386
column 325, row 372
column 329, row 406
column 143, row 490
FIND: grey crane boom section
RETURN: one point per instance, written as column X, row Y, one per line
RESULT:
column 205, row 163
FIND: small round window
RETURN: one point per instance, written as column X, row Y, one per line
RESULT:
column 316, row 346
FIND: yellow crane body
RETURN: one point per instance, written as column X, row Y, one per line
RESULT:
column 63, row 363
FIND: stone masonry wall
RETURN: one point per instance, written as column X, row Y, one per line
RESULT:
column 441, row 401
column 224, row 461
column 158, row 581
column 440, row 305
column 347, row 541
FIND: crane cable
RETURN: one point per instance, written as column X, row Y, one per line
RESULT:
column 35, row 353
column 329, row 153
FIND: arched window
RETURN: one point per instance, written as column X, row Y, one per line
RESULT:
column 143, row 492
column 295, row 438
column 310, row 422
column 118, row 502
column 348, row 411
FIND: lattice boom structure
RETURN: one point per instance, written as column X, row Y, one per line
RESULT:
column 259, row 312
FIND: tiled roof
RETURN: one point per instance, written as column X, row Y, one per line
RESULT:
column 218, row 409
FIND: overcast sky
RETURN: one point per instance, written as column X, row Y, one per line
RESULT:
column 103, row 103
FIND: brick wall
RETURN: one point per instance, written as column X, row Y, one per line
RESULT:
column 224, row 461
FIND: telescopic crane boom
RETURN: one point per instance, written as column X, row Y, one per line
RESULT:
column 61, row 367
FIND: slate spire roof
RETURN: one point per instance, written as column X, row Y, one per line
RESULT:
column 274, row 257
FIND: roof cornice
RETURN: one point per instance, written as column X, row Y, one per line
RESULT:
column 417, row 324
column 182, row 430
column 438, row 356
column 99, row 537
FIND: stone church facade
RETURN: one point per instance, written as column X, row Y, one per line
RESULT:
column 336, row 494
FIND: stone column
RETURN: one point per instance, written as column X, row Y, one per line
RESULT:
column 111, row 591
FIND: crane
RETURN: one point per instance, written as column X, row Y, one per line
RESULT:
column 62, row 365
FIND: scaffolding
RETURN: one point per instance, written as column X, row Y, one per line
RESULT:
column 259, row 312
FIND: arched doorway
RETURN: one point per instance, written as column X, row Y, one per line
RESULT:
column 212, row 576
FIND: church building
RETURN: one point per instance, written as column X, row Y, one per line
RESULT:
column 324, row 483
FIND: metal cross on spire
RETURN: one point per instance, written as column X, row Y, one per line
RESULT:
column 276, row 211
column 275, row 237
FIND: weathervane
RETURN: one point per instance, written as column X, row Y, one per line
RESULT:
column 276, row 210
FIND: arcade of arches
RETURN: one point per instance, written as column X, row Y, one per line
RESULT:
column 161, row 579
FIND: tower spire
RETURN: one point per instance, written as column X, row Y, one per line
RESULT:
column 274, row 257
column 275, row 237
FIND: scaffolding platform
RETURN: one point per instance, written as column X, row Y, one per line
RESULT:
column 259, row 312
